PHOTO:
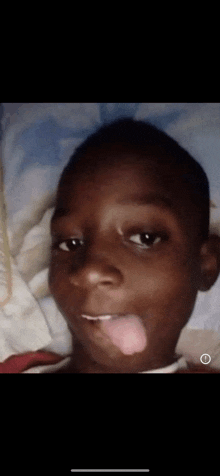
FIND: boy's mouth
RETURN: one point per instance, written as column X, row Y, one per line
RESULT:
column 126, row 332
column 101, row 318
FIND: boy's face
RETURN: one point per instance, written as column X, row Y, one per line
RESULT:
column 123, row 247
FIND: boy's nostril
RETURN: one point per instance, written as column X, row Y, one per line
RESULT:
column 99, row 275
column 107, row 281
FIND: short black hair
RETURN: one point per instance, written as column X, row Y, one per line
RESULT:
column 139, row 136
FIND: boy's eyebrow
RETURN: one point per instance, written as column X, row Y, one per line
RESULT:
column 147, row 199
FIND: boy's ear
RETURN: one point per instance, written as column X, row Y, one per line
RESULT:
column 210, row 262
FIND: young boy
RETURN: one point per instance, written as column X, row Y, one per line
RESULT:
column 130, row 249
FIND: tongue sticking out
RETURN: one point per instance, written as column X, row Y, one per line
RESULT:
column 127, row 333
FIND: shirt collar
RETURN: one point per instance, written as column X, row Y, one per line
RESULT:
column 170, row 369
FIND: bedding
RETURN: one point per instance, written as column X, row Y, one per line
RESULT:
column 36, row 143
column 5, row 263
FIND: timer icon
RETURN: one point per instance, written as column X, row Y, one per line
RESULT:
column 205, row 359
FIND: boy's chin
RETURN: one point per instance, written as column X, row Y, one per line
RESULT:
column 93, row 359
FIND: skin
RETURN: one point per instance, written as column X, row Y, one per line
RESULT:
column 127, row 258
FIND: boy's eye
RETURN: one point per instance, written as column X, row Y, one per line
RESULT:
column 70, row 245
column 145, row 239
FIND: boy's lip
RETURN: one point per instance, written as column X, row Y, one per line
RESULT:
column 99, row 317
column 105, row 316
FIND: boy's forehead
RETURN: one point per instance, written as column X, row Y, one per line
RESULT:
column 114, row 155
column 117, row 167
column 129, row 179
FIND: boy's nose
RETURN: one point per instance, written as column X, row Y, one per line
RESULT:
column 97, row 274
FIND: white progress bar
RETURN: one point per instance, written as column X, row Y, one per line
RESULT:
column 111, row 470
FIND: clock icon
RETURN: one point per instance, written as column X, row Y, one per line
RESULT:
column 205, row 359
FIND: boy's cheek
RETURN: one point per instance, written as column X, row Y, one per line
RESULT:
column 63, row 292
column 174, row 294
column 57, row 280
column 164, row 281
column 167, row 296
